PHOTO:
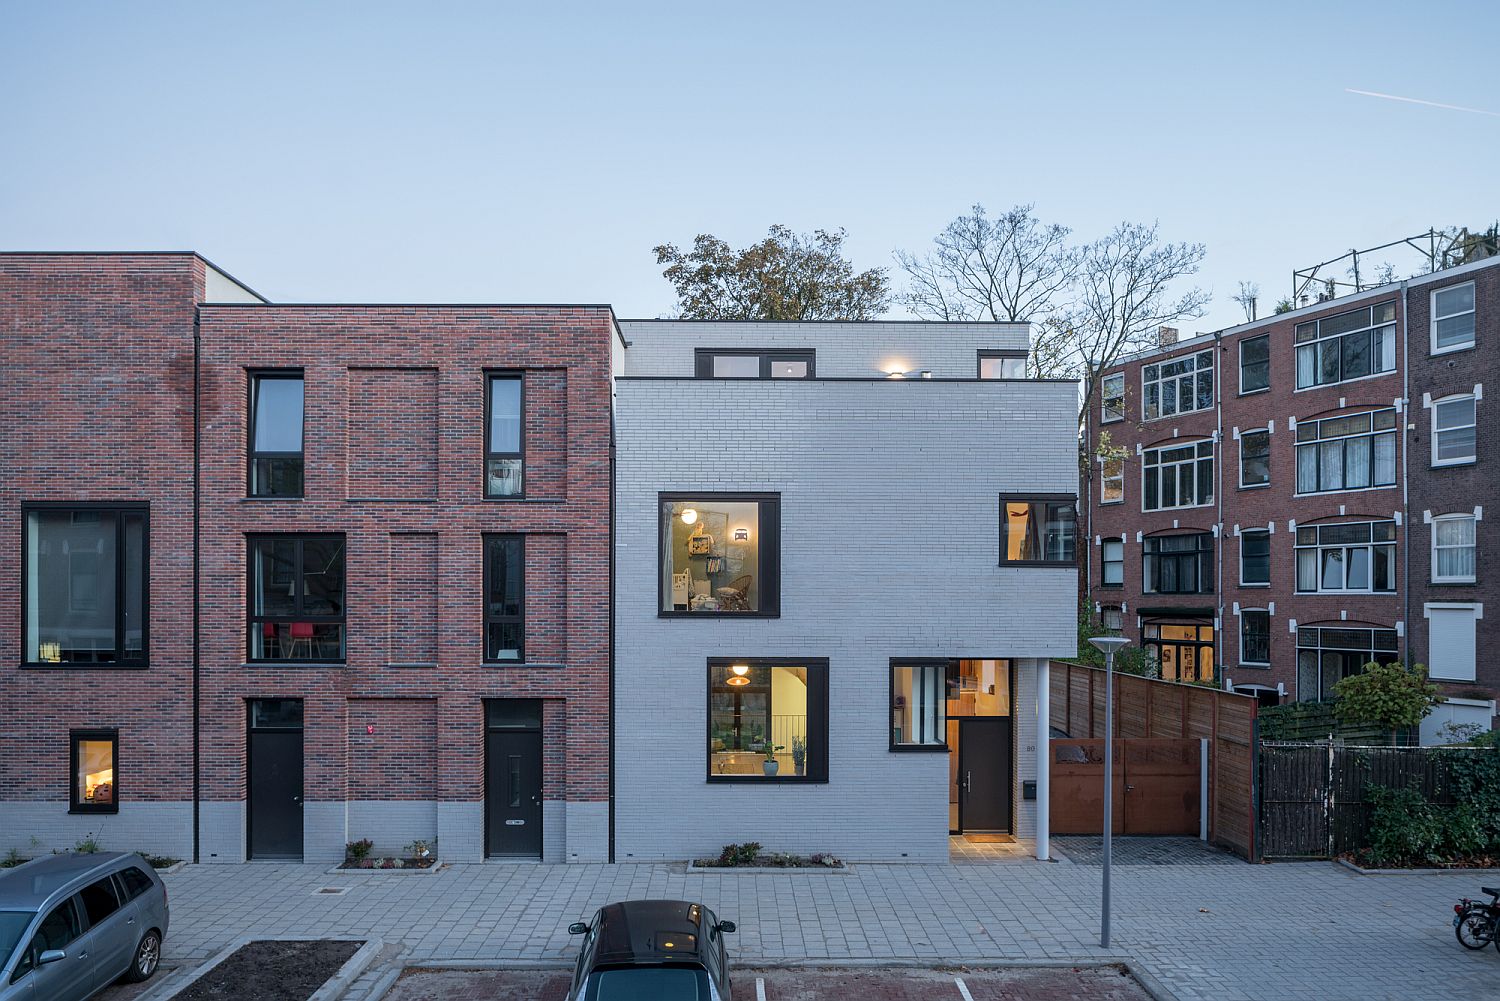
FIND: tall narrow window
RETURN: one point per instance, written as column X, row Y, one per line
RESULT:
column 503, row 447
column 1036, row 530
column 1453, row 318
column 95, row 786
column 1255, row 557
column 767, row 720
column 276, row 412
column 919, row 716
column 1112, row 480
column 1112, row 561
column 85, row 586
column 1255, row 458
column 504, row 598
column 1255, row 637
column 1453, row 538
column 1255, row 364
column 297, row 598
column 1112, row 398
column 1453, row 424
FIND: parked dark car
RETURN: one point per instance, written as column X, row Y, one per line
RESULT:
column 71, row 925
column 652, row 950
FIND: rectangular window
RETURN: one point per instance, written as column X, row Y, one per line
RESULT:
column 1358, row 556
column 276, row 415
column 94, row 785
column 296, row 595
column 1179, row 651
column 504, row 441
column 767, row 720
column 1181, row 386
column 719, row 554
column 1351, row 345
column 754, row 363
column 1112, row 561
column 1112, row 617
column 1255, row 458
column 1453, row 424
column 1037, row 530
column 1112, row 398
column 1112, row 480
column 1255, row 557
column 505, row 598
column 1255, row 364
column 1347, row 453
column 919, row 706
column 1178, row 564
column 1453, row 318
column 1177, row 476
column 1453, row 550
column 1255, row 637
column 1002, row 364
column 86, row 584
column 1451, row 650
column 1327, row 655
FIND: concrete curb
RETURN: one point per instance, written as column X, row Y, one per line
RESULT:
column 177, row 866
column 331, row 990
column 1477, row 873
column 771, row 870
column 356, row 964
column 431, row 870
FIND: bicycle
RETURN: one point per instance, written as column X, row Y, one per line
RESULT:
column 1476, row 923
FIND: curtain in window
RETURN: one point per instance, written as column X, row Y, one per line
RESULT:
column 1307, row 469
column 1331, row 465
column 1385, row 459
column 1455, row 540
column 1357, row 470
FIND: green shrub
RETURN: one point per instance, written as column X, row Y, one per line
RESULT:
column 358, row 851
column 745, row 854
column 1404, row 827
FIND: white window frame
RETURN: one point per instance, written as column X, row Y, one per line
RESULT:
column 1255, row 663
column 1319, row 547
column 1372, row 327
column 1105, row 561
column 1105, row 480
column 1159, row 382
column 1107, row 414
column 1318, row 441
column 1470, row 517
column 1267, row 387
column 1257, row 583
column 1475, row 612
column 1243, row 435
column 1194, row 445
column 1473, row 456
column 1433, row 324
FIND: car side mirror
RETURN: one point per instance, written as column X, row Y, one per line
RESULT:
column 578, row 928
column 726, row 926
column 51, row 956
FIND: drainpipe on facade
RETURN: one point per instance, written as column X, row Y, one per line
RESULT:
column 1219, row 509
column 197, row 394
column 1043, row 758
column 1405, row 495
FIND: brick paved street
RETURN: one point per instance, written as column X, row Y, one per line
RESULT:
column 1220, row 932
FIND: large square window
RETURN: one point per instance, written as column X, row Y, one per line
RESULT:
column 720, row 554
column 276, row 414
column 503, row 447
column 297, row 598
column 1037, row 530
column 94, row 785
column 504, row 598
column 767, row 720
column 85, row 584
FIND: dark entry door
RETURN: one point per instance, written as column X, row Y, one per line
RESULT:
column 513, row 793
column 275, row 786
column 984, row 773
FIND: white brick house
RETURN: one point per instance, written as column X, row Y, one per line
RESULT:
column 890, row 631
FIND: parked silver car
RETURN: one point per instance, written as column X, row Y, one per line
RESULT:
column 71, row 925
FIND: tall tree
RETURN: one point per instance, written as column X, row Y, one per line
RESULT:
column 786, row 276
column 1012, row 267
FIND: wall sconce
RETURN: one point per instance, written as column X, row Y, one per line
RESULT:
column 689, row 516
column 738, row 675
column 742, row 535
column 926, row 373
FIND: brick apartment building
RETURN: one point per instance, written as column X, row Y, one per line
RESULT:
column 397, row 520
column 1295, row 496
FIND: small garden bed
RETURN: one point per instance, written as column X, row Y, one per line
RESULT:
column 1365, row 860
column 388, row 862
column 420, row 855
column 271, row 971
column 750, row 856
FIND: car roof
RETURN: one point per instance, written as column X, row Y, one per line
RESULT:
column 32, row 885
column 650, row 930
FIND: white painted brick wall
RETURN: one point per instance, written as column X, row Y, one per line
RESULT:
column 890, row 545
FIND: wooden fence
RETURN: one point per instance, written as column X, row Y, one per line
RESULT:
column 1312, row 795
column 1146, row 707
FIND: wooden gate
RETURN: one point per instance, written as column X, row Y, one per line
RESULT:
column 1158, row 784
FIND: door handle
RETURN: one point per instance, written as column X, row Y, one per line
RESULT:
column 968, row 781
column 297, row 799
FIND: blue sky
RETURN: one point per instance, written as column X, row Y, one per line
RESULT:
column 535, row 153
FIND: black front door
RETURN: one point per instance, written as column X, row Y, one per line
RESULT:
column 275, row 786
column 984, row 773
column 513, row 793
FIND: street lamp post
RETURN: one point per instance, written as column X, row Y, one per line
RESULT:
column 1108, row 645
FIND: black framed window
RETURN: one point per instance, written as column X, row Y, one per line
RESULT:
column 719, row 554
column 505, row 598
column 1347, row 453
column 919, row 705
column 1179, row 651
column 1177, row 476
column 755, row 363
column 1178, row 564
column 296, row 592
column 1112, row 562
column 1255, row 364
column 1002, row 364
column 504, row 435
column 1112, row 398
column 276, row 433
column 1038, row 531
column 1326, row 655
column 85, row 585
column 767, row 720
column 1255, row 636
column 94, row 783
column 1351, row 345
column 1255, row 557
column 1255, row 458
column 1352, row 556
column 1112, row 618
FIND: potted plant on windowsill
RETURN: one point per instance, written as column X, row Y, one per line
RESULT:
column 770, row 766
column 799, row 755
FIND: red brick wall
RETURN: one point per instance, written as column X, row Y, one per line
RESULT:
column 393, row 749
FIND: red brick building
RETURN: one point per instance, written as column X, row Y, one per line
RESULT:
column 1268, row 522
column 401, row 545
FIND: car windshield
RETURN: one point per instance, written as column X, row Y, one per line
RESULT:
column 12, row 927
column 650, row 983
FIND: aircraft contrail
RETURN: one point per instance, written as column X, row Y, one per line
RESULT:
column 1430, row 104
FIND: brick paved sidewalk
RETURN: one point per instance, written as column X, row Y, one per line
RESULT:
column 1223, row 933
